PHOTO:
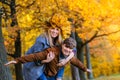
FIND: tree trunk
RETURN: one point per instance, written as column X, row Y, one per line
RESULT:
column 18, row 67
column 90, row 75
column 74, row 70
column 4, row 71
column 80, row 55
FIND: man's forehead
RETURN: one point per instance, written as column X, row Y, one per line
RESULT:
column 68, row 46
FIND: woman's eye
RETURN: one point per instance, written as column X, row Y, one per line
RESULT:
column 57, row 29
column 52, row 28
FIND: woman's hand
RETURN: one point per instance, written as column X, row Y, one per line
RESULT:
column 50, row 57
column 62, row 62
column 65, row 61
column 10, row 62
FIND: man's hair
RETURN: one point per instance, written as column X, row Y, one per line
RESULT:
column 70, row 43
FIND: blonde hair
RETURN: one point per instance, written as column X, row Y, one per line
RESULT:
column 58, row 39
column 61, row 22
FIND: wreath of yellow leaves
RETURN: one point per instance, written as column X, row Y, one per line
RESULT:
column 61, row 21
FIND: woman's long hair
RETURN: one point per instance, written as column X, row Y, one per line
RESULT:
column 57, row 40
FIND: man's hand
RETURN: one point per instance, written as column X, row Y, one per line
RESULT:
column 10, row 62
column 50, row 57
column 88, row 70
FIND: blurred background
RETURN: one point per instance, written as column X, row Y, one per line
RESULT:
column 95, row 26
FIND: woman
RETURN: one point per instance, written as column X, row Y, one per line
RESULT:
column 52, row 37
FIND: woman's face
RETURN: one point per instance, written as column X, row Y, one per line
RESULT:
column 54, row 32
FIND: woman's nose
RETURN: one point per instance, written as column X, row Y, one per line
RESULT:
column 55, row 31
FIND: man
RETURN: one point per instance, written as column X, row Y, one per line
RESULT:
column 52, row 67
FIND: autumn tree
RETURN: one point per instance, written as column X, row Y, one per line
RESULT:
column 10, row 12
column 5, row 72
column 92, row 19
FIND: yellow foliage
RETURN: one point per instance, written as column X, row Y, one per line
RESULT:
column 5, row 31
column 105, row 58
column 26, row 20
column 89, row 15
column 116, row 63
column 67, row 70
column 101, row 67
column 96, row 15
column 28, row 38
column 114, row 38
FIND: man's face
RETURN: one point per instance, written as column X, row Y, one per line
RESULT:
column 66, row 51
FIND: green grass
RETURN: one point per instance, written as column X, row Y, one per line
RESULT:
column 112, row 77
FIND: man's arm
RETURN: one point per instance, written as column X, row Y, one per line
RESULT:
column 50, row 57
column 29, row 58
column 76, row 62
column 32, row 57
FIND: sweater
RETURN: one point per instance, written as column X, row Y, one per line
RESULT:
column 51, row 67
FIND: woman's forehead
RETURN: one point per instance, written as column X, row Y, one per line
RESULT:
column 54, row 27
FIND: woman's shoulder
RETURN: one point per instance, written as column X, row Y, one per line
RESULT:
column 41, row 37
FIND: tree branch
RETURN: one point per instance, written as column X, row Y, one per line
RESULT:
column 28, row 6
column 93, row 37
column 108, row 33
column 11, row 55
column 5, row 2
column 96, row 36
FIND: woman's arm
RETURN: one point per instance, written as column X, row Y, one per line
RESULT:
column 64, row 61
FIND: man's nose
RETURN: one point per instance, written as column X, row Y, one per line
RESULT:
column 68, row 50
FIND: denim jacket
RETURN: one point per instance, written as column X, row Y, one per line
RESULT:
column 31, row 71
